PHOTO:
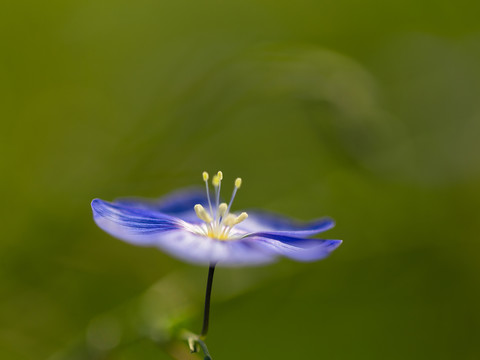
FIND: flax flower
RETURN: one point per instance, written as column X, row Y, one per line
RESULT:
column 195, row 226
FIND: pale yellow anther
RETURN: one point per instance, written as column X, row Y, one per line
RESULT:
column 241, row 217
column 222, row 209
column 238, row 182
column 202, row 213
column 230, row 220
column 219, row 221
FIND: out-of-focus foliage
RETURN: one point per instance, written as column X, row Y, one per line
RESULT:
column 365, row 111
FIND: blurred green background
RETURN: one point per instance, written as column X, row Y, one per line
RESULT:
column 367, row 111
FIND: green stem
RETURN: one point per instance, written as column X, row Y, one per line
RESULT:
column 205, row 350
column 208, row 292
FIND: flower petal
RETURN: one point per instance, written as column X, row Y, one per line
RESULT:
column 179, row 203
column 262, row 224
column 203, row 250
column 298, row 249
column 268, row 236
column 145, row 227
column 135, row 225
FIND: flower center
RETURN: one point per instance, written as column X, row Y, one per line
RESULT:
column 219, row 222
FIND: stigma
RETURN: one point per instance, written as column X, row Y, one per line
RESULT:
column 218, row 221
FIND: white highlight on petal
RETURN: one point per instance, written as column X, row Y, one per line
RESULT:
column 197, row 249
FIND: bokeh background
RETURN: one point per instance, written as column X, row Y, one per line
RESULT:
column 367, row 111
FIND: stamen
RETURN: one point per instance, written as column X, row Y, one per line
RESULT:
column 222, row 209
column 241, row 217
column 217, row 183
column 229, row 220
column 219, row 221
column 205, row 178
column 238, row 183
column 202, row 213
column 232, row 220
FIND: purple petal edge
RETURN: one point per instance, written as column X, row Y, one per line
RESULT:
column 305, row 250
column 134, row 225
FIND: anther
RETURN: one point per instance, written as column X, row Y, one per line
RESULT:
column 202, row 213
column 215, row 180
column 229, row 220
column 205, row 176
column 232, row 220
column 220, row 175
column 241, row 217
column 222, row 209
column 238, row 182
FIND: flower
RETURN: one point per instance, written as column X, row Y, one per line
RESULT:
column 195, row 227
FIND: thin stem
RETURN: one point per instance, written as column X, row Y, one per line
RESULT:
column 205, row 349
column 208, row 292
column 193, row 340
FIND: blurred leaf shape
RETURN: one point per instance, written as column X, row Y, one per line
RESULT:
column 332, row 94
column 433, row 86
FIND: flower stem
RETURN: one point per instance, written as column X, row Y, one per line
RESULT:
column 205, row 350
column 193, row 340
column 208, row 292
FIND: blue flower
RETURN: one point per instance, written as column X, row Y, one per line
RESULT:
column 192, row 226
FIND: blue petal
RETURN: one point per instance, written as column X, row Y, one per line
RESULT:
column 265, row 224
column 299, row 249
column 141, row 223
column 135, row 225
column 179, row 203
column 146, row 227
column 203, row 250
